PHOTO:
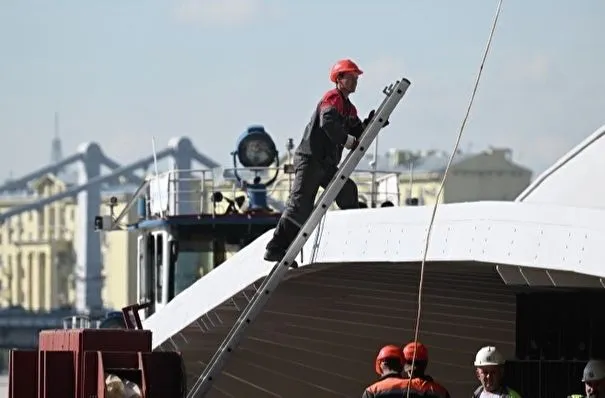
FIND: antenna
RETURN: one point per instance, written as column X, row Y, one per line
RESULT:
column 157, row 176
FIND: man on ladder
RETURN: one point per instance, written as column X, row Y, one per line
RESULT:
column 334, row 125
column 375, row 122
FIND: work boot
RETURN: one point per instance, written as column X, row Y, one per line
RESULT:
column 274, row 255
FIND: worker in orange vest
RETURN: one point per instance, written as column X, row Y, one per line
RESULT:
column 389, row 366
column 420, row 383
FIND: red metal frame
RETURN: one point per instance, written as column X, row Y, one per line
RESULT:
column 73, row 363
column 132, row 311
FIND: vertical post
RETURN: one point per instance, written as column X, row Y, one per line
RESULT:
column 289, row 149
column 182, row 154
column 374, row 167
column 173, row 178
column 173, row 198
column 158, row 181
column 398, row 188
column 186, row 198
column 411, row 179
column 143, row 269
column 203, row 194
column 89, row 281
column 166, row 266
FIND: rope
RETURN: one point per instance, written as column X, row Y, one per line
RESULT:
column 445, row 174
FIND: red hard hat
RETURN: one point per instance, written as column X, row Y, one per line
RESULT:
column 386, row 352
column 344, row 66
column 422, row 354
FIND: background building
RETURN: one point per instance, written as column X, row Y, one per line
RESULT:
column 37, row 258
column 485, row 175
column 401, row 174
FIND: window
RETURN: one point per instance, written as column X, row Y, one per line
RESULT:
column 42, row 270
column 41, row 217
column 52, row 222
column 41, row 221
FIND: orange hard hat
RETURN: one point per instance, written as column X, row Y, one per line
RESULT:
column 422, row 354
column 344, row 66
column 386, row 352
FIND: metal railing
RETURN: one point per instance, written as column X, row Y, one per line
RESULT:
column 178, row 192
column 80, row 322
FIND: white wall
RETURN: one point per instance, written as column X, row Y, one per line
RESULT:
column 3, row 386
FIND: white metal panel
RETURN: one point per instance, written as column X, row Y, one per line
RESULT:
column 565, row 239
column 235, row 274
column 550, row 237
column 159, row 194
column 388, row 189
column 575, row 179
column 3, row 386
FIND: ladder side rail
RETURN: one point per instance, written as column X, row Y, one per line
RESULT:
column 394, row 94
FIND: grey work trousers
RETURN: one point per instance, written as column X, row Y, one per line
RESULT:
column 309, row 176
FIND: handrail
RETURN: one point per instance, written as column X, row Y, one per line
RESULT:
column 262, row 169
column 200, row 184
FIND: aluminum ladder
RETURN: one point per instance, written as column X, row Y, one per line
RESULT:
column 394, row 93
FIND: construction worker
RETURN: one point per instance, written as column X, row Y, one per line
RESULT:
column 489, row 364
column 593, row 378
column 388, row 365
column 334, row 125
column 421, row 383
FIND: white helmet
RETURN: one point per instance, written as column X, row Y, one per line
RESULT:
column 488, row 356
column 594, row 371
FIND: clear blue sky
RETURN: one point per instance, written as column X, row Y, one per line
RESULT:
column 120, row 72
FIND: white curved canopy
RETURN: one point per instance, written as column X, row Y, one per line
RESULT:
column 575, row 179
column 531, row 244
